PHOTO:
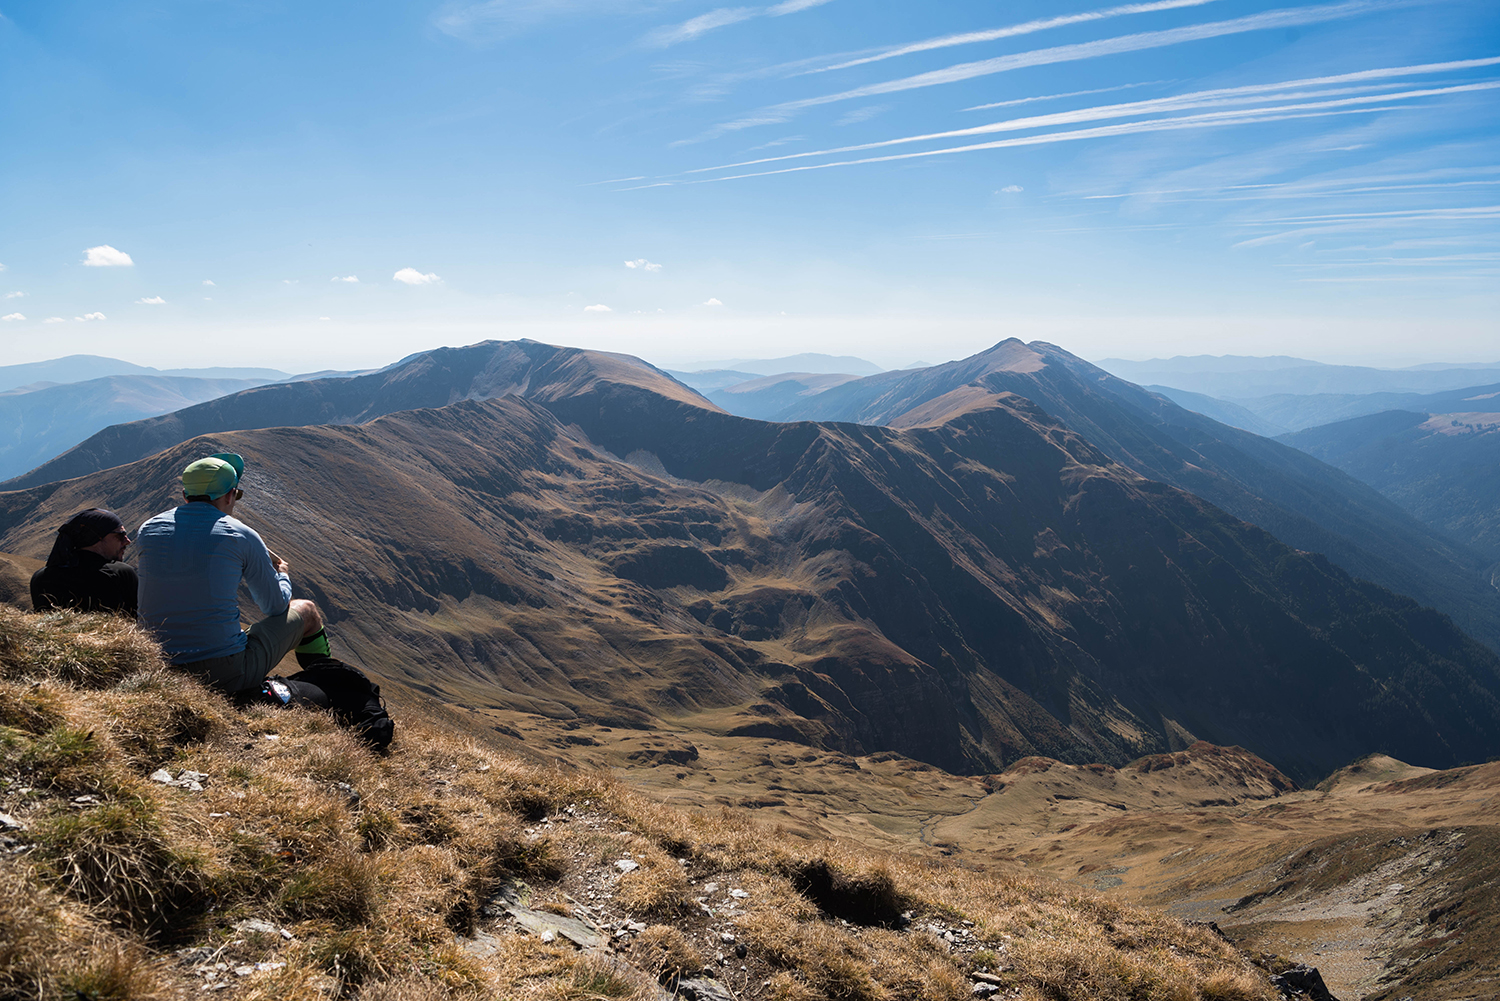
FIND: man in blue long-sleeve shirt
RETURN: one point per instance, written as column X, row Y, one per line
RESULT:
column 191, row 562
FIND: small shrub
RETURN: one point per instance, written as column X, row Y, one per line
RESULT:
column 599, row 978
column 343, row 886
column 118, row 856
column 666, row 952
column 656, row 889
column 118, row 975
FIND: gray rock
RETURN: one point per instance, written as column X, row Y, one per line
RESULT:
column 703, row 989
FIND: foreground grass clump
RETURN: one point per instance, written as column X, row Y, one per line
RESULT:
column 292, row 863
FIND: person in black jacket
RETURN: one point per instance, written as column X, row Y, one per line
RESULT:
column 84, row 571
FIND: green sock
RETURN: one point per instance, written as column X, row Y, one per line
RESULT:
column 313, row 648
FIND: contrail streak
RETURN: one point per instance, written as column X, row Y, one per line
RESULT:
column 1071, row 53
column 1027, row 28
column 1202, row 98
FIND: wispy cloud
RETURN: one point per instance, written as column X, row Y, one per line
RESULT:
column 640, row 263
column 694, row 27
column 1011, row 31
column 154, row 300
column 793, row 6
column 350, row 279
column 1248, row 94
column 12, row 317
column 860, row 115
column 411, row 276
column 713, row 302
column 106, row 256
column 701, row 25
column 1057, row 97
column 597, row 307
column 490, row 20
column 1267, row 20
column 87, row 317
column 1210, row 120
column 15, row 295
column 207, row 282
column 1011, row 189
column 54, row 319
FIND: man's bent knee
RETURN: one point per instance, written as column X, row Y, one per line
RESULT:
column 308, row 613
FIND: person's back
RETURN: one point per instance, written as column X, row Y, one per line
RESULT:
column 192, row 560
column 84, row 570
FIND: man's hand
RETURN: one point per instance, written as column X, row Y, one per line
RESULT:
column 277, row 562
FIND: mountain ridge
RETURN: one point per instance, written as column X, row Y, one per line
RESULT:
column 983, row 588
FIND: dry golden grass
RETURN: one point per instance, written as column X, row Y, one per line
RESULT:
column 375, row 864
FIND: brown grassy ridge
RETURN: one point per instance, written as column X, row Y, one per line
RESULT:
column 372, row 872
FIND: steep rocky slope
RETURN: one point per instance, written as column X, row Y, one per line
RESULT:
column 1303, row 502
column 966, row 592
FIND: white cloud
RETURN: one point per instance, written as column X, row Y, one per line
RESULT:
column 154, row 300
column 713, row 302
column 54, row 319
column 90, row 316
column 106, row 256
column 325, row 317
column 15, row 295
column 411, row 276
column 2, row 267
column 597, row 308
column 1011, row 189
column 290, row 281
column 207, row 281
column 643, row 264
column 702, row 24
column 12, row 317
column 351, row 279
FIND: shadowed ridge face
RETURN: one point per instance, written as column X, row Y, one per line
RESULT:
column 430, row 379
column 1303, row 502
column 965, row 593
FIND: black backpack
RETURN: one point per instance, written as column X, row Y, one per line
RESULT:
column 344, row 690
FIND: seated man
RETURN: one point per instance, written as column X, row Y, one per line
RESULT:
column 192, row 559
column 83, row 570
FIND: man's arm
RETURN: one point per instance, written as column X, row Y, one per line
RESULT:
column 268, row 583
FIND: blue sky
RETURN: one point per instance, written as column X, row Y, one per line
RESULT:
column 198, row 182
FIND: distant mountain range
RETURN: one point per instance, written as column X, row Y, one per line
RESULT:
column 1294, row 413
column 1239, row 379
column 818, row 364
column 975, row 583
column 766, row 397
column 81, row 368
column 35, row 426
column 1443, row 468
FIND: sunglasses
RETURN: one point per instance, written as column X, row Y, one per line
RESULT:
column 124, row 535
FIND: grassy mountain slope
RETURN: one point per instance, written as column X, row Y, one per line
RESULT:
column 1443, row 468
column 1303, row 502
column 303, row 867
column 982, row 588
column 429, row 379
